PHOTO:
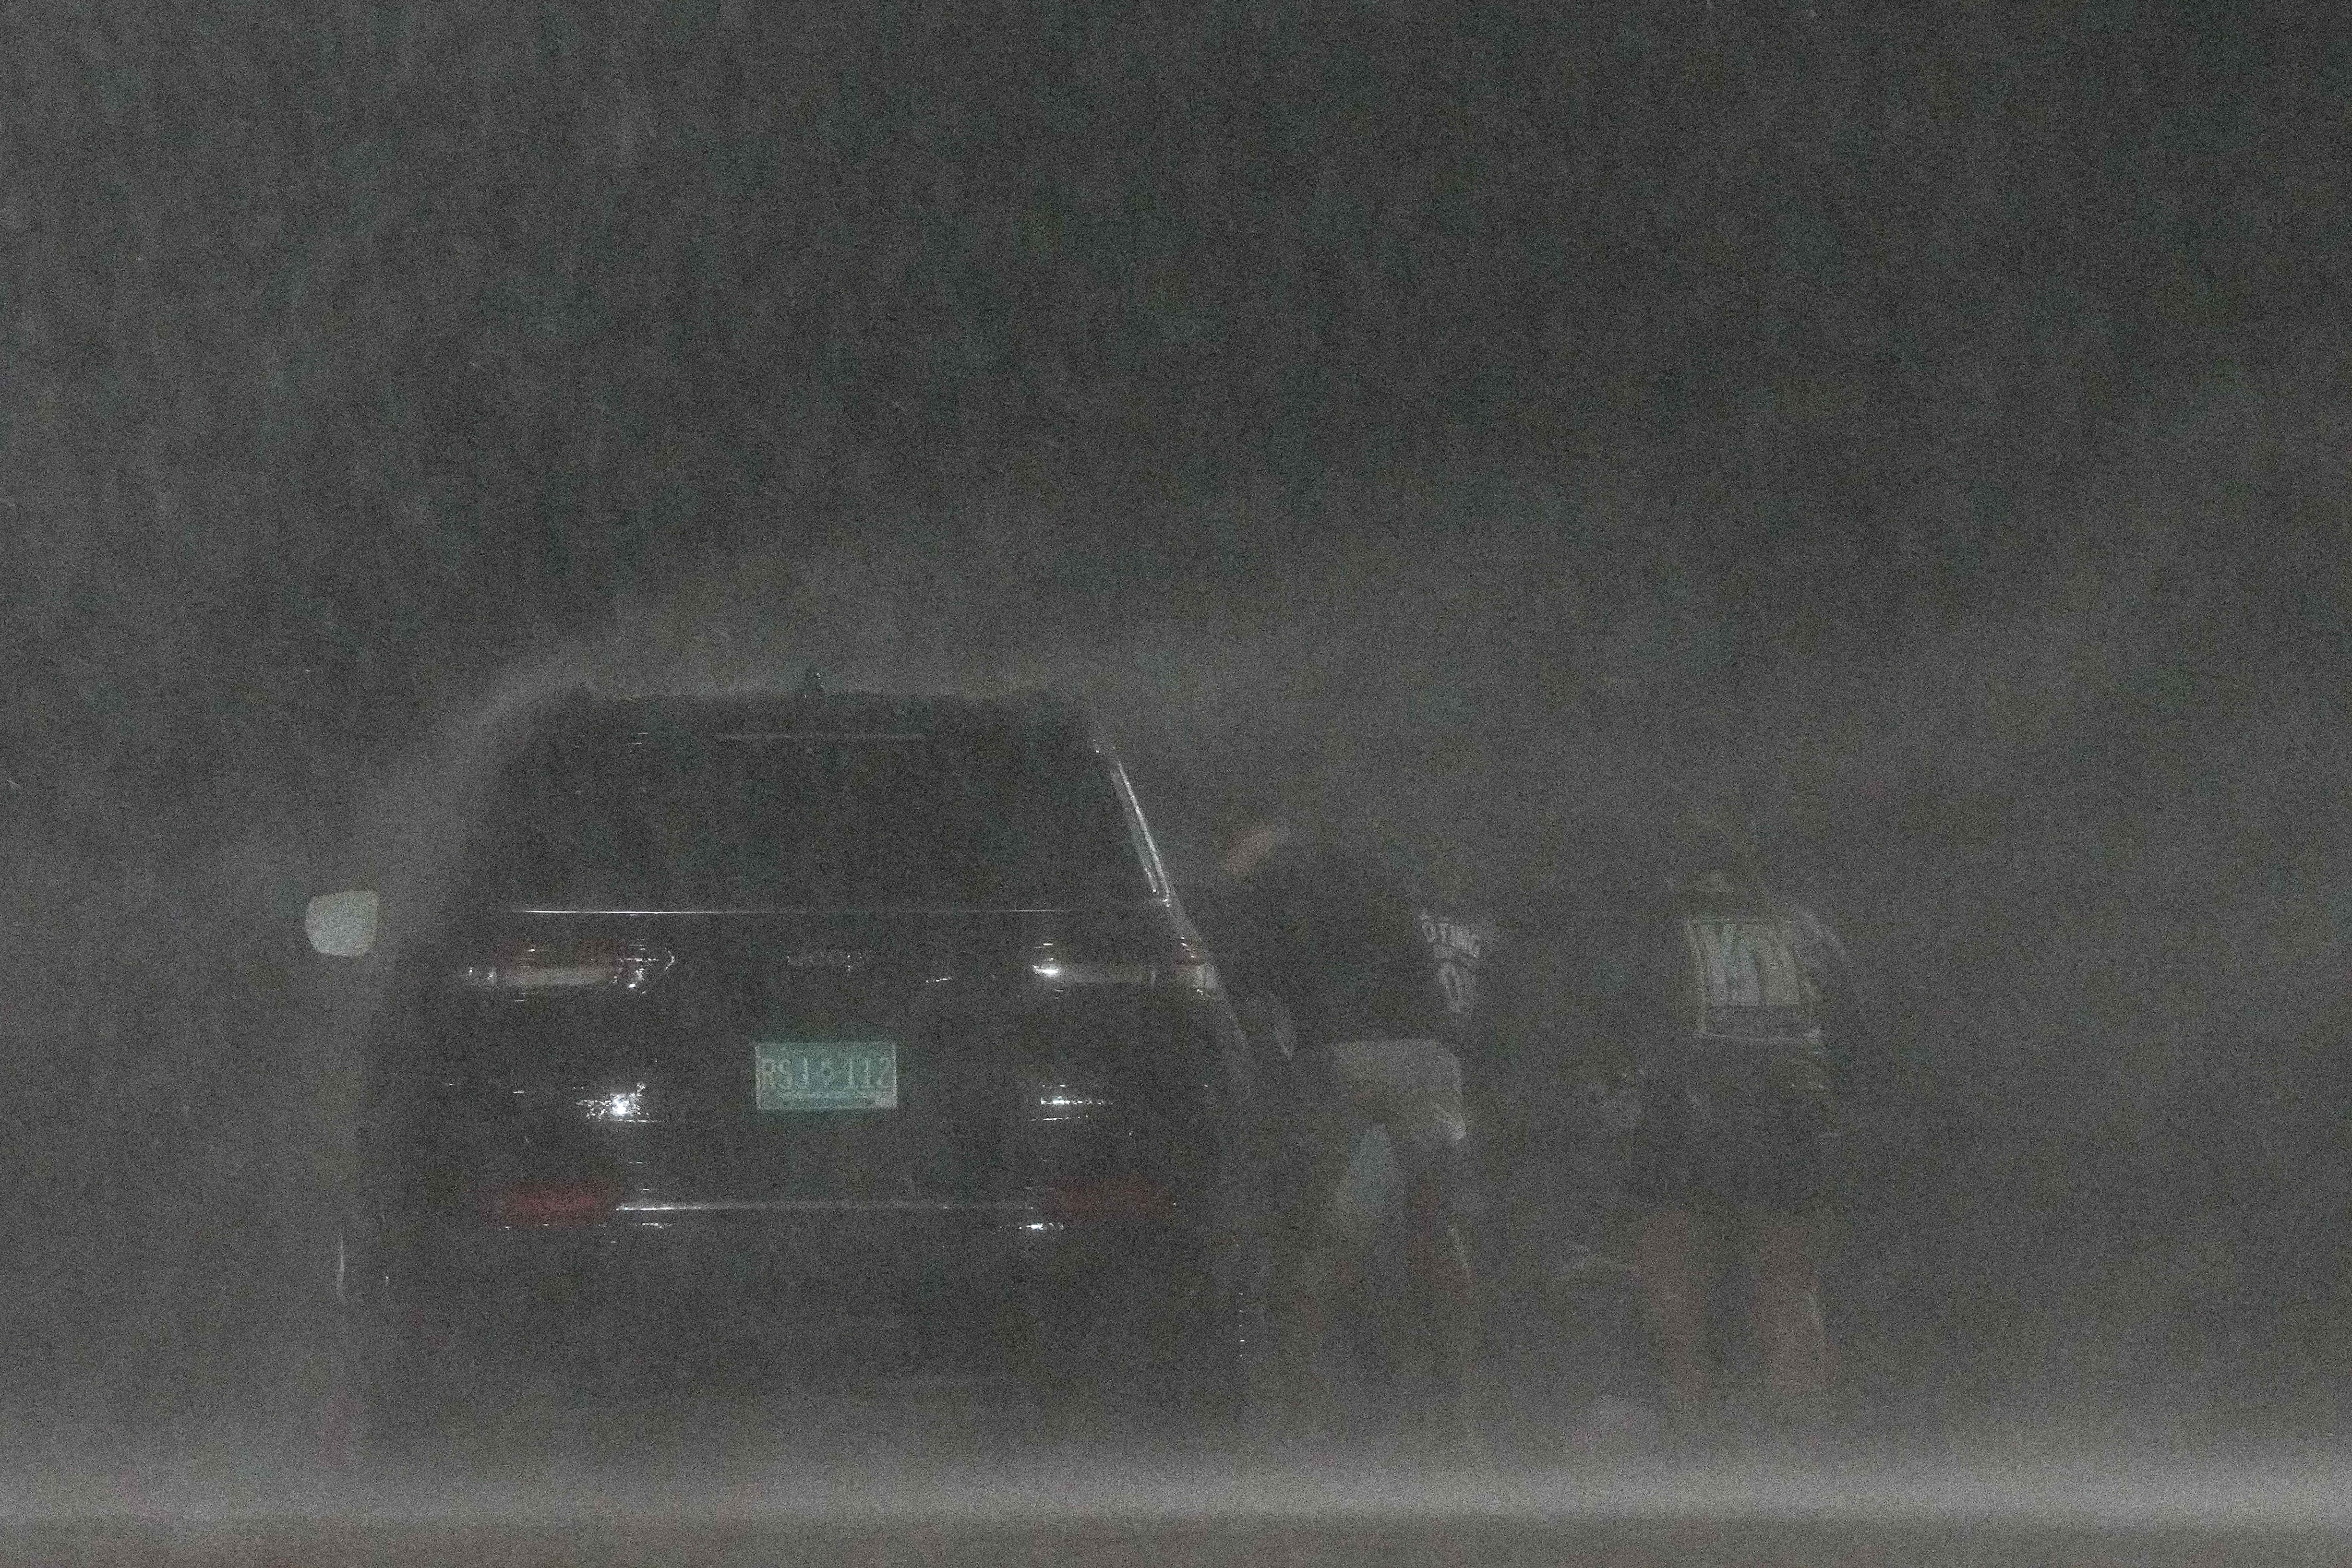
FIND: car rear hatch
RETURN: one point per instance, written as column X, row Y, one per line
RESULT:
column 709, row 1061
column 656, row 1024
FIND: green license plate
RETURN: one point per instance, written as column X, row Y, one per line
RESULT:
column 826, row 1074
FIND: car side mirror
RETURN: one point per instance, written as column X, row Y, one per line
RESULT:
column 343, row 925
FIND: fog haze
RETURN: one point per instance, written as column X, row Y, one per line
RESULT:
column 1924, row 432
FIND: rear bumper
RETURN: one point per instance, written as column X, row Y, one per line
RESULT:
column 808, row 1261
column 808, row 1297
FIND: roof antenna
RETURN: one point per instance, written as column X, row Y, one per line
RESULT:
column 811, row 687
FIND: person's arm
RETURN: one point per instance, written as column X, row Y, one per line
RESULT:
column 1266, row 1020
column 1847, row 1013
column 1250, row 929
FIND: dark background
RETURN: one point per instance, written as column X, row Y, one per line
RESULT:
column 1923, row 426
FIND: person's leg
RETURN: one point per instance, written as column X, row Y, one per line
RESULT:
column 1794, row 1349
column 1677, row 1257
column 1413, row 1088
column 1309, row 1264
column 1443, row 1311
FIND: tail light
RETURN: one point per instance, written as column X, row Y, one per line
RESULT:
column 581, row 1200
column 1057, row 1102
column 586, row 964
column 1107, row 1197
column 1190, row 968
column 1056, row 966
column 1085, row 1149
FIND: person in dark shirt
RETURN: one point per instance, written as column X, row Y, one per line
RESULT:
column 1723, row 996
column 1552, row 1097
column 1333, row 964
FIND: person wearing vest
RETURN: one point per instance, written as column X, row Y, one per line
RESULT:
column 1335, row 964
column 1720, row 992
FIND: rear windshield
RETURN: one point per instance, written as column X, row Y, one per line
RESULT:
column 752, row 820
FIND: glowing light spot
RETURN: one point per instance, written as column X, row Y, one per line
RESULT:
column 618, row 1105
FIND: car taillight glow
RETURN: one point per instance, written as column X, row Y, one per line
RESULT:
column 1110, row 1198
column 574, row 1201
column 1068, row 1102
column 569, row 965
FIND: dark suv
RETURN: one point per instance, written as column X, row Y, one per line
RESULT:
column 855, row 1034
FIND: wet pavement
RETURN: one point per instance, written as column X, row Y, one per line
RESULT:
column 946, row 1474
column 1686, row 1543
